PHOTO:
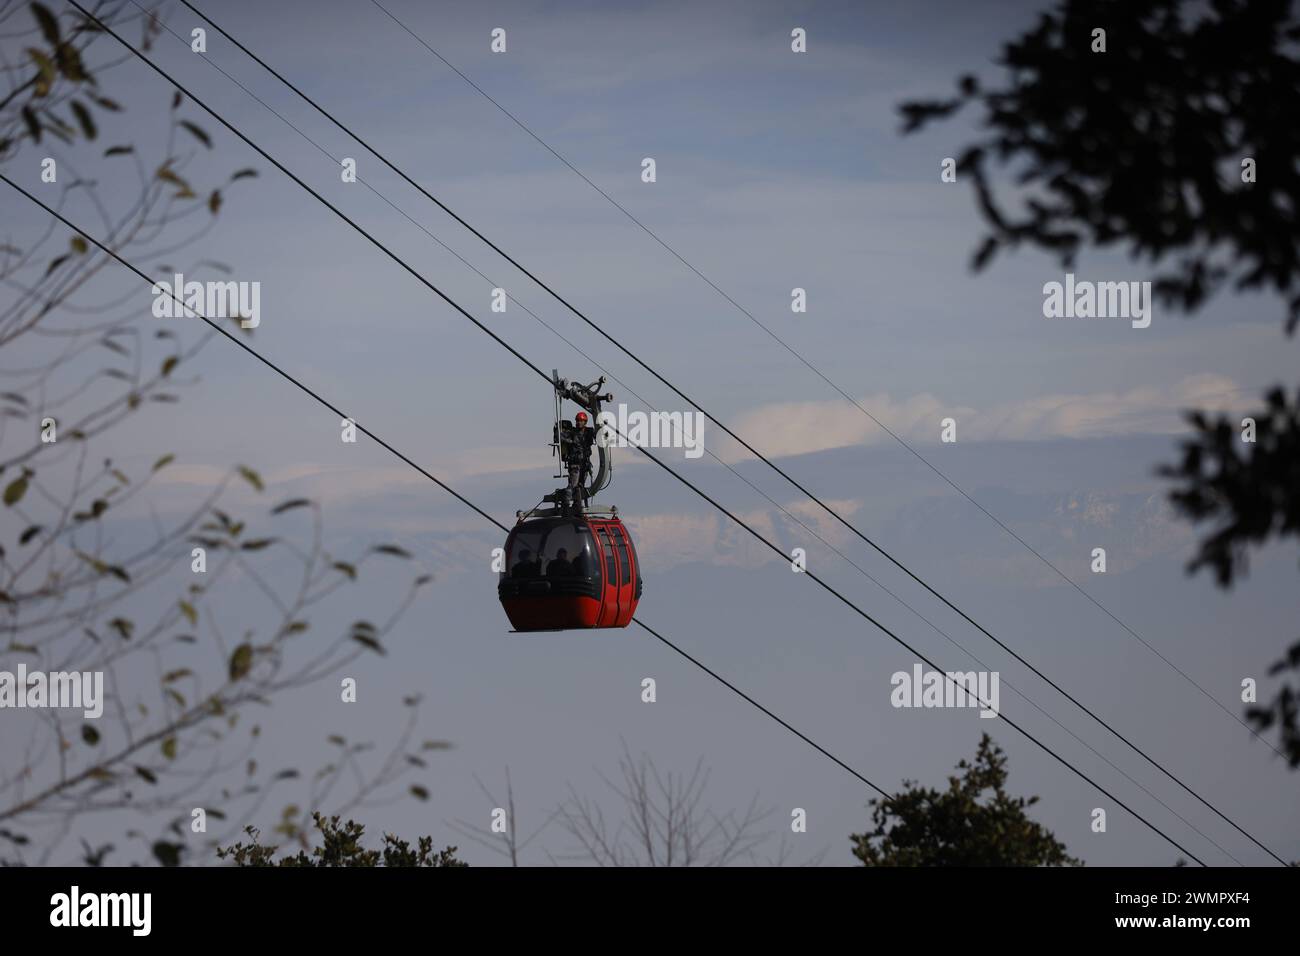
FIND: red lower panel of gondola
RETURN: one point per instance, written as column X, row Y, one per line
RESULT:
column 552, row 613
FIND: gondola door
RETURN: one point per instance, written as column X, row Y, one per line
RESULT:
column 609, row 605
column 628, row 574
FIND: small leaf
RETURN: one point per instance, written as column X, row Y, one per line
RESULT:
column 345, row 568
column 257, row 544
column 147, row 775
column 168, row 364
column 169, row 748
column 15, row 490
column 48, row 23
column 252, row 477
column 366, row 640
column 79, row 245
column 30, row 533
column 392, row 549
column 197, row 132
column 419, row 792
column 118, row 151
column 241, row 661
column 33, row 124
column 244, row 174
column 167, row 175
column 191, row 615
column 214, row 202
column 47, row 72
column 69, row 59
column 290, row 505
column 89, row 734
column 83, row 117
column 163, row 462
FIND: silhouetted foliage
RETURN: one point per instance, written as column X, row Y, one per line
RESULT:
column 1144, row 145
column 1251, row 489
column 341, row 846
column 975, row 822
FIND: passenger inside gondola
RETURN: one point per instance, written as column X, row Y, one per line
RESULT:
column 526, row 567
column 579, row 563
column 560, row 566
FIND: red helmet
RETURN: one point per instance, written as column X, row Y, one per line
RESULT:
column 580, row 418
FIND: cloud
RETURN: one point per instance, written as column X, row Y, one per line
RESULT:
column 799, row 428
column 333, row 482
column 667, row 539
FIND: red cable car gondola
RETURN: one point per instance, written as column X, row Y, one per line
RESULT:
column 569, row 565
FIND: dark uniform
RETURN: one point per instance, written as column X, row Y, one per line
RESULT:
column 578, row 461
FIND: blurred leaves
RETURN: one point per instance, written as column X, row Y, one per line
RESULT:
column 168, row 854
column 1249, row 492
column 1142, row 145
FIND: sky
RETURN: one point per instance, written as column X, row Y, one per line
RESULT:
column 774, row 170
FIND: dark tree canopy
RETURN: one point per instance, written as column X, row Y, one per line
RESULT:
column 341, row 846
column 975, row 822
column 1145, row 145
column 1251, row 489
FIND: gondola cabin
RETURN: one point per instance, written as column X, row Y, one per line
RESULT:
column 569, row 571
